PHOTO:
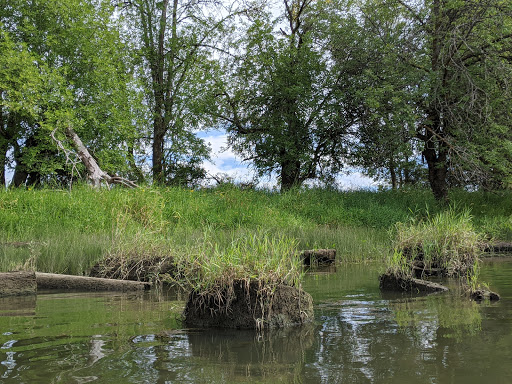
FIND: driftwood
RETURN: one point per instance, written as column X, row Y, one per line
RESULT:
column 17, row 283
column 83, row 283
column 94, row 172
column 392, row 282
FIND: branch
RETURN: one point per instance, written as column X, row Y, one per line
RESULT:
column 95, row 173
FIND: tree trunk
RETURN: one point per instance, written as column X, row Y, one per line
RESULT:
column 20, row 174
column 158, row 150
column 158, row 76
column 290, row 174
column 437, row 171
column 3, row 161
column 392, row 172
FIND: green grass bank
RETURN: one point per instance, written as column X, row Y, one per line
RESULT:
column 68, row 232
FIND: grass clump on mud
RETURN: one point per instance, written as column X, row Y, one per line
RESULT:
column 445, row 244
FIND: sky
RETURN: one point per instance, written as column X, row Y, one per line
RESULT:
column 225, row 162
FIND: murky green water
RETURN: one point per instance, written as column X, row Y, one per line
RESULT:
column 360, row 336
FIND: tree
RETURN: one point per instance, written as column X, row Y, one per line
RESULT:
column 78, row 58
column 281, row 99
column 457, row 57
column 175, row 41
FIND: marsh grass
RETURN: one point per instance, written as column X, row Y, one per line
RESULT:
column 445, row 241
column 69, row 232
column 208, row 267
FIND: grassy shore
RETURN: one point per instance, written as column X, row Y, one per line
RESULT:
column 68, row 232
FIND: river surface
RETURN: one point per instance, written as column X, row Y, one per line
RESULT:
column 359, row 336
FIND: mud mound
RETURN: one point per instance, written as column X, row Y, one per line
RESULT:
column 136, row 270
column 249, row 305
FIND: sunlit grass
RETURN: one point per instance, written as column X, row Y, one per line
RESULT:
column 68, row 232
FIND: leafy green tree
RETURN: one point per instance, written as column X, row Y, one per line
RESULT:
column 175, row 41
column 87, row 87
column 283, row 102
column 456, row 59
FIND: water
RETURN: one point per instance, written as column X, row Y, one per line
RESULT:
column 359, row 336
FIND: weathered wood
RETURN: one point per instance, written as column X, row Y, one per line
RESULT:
column 17, row 283
column 318, row 256
column 392, row 282
column 83, row 283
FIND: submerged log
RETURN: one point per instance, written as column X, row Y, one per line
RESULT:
column 17, row 283
column 248, row 305
column 318, row 256
column 83, row 283
column 484, row 294
column 392, row 282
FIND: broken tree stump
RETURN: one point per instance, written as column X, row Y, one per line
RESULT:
column 318, row 256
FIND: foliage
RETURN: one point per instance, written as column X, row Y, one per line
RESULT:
column 62, row 231
column 78, row 78
column 256, row 256
column 280, row 98
column 452, row 62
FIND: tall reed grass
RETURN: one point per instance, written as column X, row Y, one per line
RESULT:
column 446, row 241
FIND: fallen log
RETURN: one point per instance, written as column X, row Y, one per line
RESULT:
column 17, row 283
column 84, row 283
column 392, row 282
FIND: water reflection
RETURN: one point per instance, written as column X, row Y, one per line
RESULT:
column 360, row 336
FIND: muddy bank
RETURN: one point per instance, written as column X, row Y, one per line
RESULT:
column 249, row 305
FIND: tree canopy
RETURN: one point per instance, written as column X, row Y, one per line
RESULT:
column 410, row 92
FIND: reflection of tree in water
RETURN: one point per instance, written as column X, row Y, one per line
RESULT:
column 404, row 340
